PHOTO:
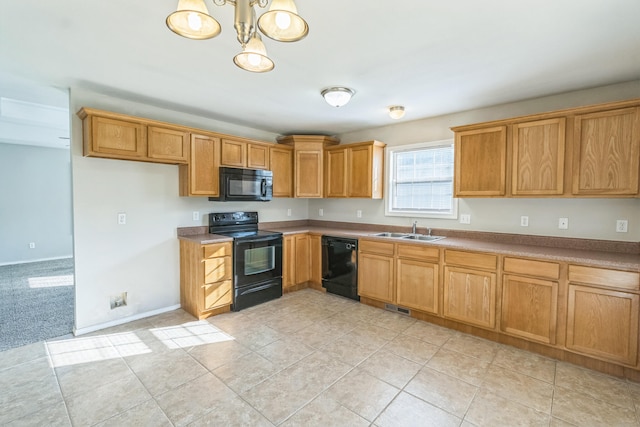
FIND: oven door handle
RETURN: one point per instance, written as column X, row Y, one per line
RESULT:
column 261, row 239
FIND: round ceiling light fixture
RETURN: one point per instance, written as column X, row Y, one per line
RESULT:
column 396, row 112
column 337, row 96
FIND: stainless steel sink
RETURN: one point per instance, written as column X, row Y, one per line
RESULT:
column 423, row 237
column 388, row 234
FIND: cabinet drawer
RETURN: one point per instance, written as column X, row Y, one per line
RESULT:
column 471, row 259
column 216, row 250
column 550, row 270
column 217, row 269
column 610, row 278
column 383, row 248
column 418, row 252
column 217, row 294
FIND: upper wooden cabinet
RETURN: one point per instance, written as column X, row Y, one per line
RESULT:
column 244, row 154
column 355, row 170
column 538, row 157
column 119, row 136
column 308, row 163
column 281, row 161
column 589, row 151
column 480, row 162
column 607, row 152
column 200, row 177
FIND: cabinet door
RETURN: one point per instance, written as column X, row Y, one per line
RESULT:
column 217, row 295
column 315, row 251
column 603, row 323
column 470, row 296
column 302, row 257
column 376, row 277
column 480, row 162
column 281, row 161
column 289, row 261
column 360, row 171
column 530, row 308
column 417, row 284
column 116, row 138
column 168, row 145
column 538, row 158
column 257, row 156
column 233, row 153
column 308, row 169
column 607, row 152
column 201, row 176
column 336, row 172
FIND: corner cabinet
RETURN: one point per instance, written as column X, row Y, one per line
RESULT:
column 206, row 276
column 355, row 170
column 308, row 163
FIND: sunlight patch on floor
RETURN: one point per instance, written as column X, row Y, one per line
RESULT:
column 50, row 281
column 190, row 334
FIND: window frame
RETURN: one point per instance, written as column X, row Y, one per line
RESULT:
column 388, row 196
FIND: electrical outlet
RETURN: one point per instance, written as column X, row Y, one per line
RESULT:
column 32, row 245
column 118, row 300
column 524, row 221
column 196, row 216
column 289, row 212
column 320, row 212
column 122, row 218
column 465, row 219
column 563, row 223
column 358, row 213
column 622, row 226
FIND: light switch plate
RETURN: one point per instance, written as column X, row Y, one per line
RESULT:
column 465, row 219
column 563, row 223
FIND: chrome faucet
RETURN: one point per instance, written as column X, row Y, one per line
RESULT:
column 415, row 224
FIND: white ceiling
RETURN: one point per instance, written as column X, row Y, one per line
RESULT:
column 434, row 57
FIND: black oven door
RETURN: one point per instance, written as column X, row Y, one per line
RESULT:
column 257, row 260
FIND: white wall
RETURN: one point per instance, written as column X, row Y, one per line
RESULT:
column 141, row 257
column 588, row 218
column 35, row 203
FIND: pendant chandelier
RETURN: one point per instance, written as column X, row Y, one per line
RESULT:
column 281, row 22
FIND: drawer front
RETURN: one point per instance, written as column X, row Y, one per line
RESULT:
column 601, row 277
column 471, row 259
column 217, row 295
column 216, row 250
column 382, row 248
column 550, row 270
column 418, row 252
column 217, row 269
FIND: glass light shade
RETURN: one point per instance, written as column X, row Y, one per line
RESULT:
column 192, row 20
column 337, row 96
column 282, row 22
column 396, row 112
column 254, row 56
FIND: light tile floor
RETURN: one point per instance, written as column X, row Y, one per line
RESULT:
column 306, row 359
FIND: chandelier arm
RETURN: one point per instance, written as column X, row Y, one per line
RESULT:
column 261, row 3
column 223, row 2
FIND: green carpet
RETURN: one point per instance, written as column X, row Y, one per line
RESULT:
column 36, row 302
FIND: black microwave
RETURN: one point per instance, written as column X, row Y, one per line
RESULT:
column 245, row 185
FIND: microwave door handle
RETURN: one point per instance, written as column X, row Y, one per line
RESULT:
column 263, row 187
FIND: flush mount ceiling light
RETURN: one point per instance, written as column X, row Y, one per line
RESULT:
column 396, row 112
column 337, row 96
column 282, row 23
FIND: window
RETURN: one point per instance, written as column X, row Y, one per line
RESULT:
column 420, row 180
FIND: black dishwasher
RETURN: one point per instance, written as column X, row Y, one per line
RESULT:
column 340, row 266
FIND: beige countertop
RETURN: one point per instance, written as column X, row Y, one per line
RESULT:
column 592, row 257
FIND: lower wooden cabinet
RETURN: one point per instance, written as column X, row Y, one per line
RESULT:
column 206, row 273
column 417, row 277
column 296, row 265
column 376, row 270
column 315, row 252
column 603, row 322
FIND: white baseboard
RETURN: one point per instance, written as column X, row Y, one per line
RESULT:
column 35, row 260
column 128, row 319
